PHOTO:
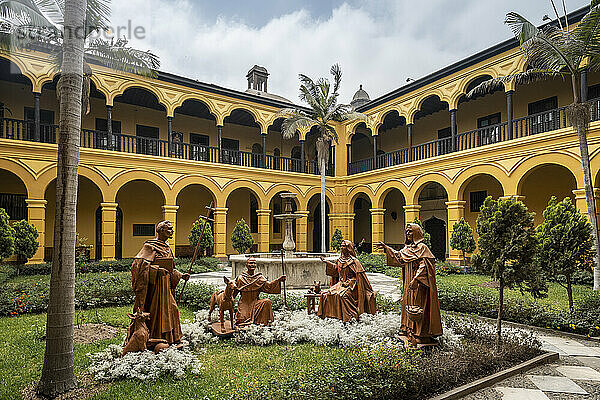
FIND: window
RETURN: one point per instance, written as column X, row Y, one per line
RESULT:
column 593, row 92
column 276, row 221
column 199, row 147
column 47, row 132
column 276, row 158
column 477, row 199
column 444, row 146
column 14, row 205
column 488, row 133
column 544, row 115
column 296, row 156
column 231, row 154
column 143, row 229
column 102, row 140
column 256, row 155
column 147, row 139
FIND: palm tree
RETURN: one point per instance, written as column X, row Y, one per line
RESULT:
column 324, row 110
column 555, row 50
column 70, row 29
column 31, row 23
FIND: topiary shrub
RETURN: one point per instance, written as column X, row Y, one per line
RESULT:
column 426, row 236
column 7, row 236
column 336, row 240
column 200, row 226
column 241, row 238
column 26, row 236
column 462, row 238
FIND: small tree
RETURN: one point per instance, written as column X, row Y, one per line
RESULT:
column 7, row 236
column 199, row 226
column 565, row 239
column 336, row 240
column 426, row 236
column 507, row 244
column 241, row 238
column 26, row 243
column 462, row 238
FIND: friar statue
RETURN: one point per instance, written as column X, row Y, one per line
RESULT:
column 350, row 294
column 154, row 281
column 421, row 318
column 250, row 284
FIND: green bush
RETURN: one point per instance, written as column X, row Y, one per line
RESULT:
column 336, row 240
column 26, row 236
column 373, row 262
column 241, row 238
column 443, row 268
column 7, row 236
column 201, row 227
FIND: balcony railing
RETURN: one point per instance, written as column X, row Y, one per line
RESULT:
column 94, row 139
column 521, row 127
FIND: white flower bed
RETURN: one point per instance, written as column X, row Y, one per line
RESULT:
column 108, row 365
column 293, row 327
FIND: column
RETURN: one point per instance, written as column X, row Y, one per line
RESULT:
column 376, row 228
column 170, row 214
column 584, row 84
column 509, row 114
column 302, row 231
column 170, row 134
column 409, row 129
column 263, row 161
column 109, row 229
column 302, row 156
column 580, row 201
column 264, row 228
column 220, row 234
column 36, row 216
column 36, row 116
column 219, row 142
column 411, row 212
column 375, row 152
column 453, row 128
column 456, row 211
column 348, row 156
column 109, row 127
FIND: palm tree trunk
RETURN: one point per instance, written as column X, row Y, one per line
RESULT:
column 58, row 375
column 323, row 244
column 589, row 200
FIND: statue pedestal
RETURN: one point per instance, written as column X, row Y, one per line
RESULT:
column 222, row 331
column 407, row 343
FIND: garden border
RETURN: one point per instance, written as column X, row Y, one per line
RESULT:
column 554, row 332
column 490, row 380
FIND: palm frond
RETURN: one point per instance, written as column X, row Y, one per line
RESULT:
column 24, row 11
column 550, row 48
column 52, row 10
column 331, row 133
column 588, row 33
column 336, row 71
column 295, row 120
column 521, row 78
column 97, row 14
column 117, row 55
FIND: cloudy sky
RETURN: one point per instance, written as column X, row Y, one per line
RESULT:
column 378, row 43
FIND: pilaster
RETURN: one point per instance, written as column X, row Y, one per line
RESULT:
column 36, row 216
column 264, row 230
column 456, row 211
column 220, row 214
column 109, row 229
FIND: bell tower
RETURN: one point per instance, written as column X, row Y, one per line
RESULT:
column 257, row 78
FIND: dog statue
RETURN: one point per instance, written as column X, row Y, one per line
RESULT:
column 224, row 299
column 138, row 336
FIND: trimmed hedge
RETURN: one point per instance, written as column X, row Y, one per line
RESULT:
column 203, row 264
column 484, row 302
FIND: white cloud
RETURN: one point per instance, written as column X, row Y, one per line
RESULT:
column 378, row 43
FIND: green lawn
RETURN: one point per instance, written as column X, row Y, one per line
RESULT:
column 557, row 295
column 224, row 364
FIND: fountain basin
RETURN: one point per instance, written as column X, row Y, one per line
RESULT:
column 302, row 269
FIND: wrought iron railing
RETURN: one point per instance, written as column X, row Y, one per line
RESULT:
column 95, row 139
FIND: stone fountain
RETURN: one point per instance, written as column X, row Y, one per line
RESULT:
column 301, row 268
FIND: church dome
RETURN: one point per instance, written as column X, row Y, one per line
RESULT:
column 360, row 97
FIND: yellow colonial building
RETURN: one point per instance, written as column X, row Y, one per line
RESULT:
column 164, row 147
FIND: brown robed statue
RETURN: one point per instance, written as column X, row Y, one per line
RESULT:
column 250, row 284
column 421, row 318
column 154, row 281
column 350, row 293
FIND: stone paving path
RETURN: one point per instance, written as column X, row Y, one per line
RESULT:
column 575, row 376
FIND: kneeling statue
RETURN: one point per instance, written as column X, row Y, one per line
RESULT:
column 350, row 294
column 250, row 309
